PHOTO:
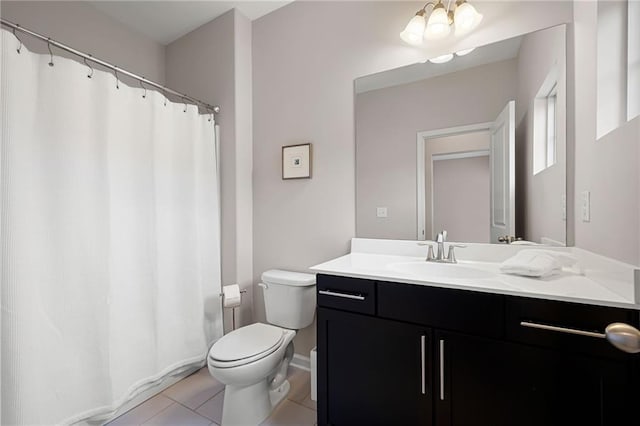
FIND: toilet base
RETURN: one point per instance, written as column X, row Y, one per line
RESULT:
column 277, row 395
column 250, row 405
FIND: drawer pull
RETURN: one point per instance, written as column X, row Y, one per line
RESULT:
column 562, row 329
column 623, row 336
column 441, row 370
column 344, row 295
column 423, row 344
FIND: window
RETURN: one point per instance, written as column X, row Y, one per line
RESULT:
column 633, row 60
column 618, row 63
column 545, row 124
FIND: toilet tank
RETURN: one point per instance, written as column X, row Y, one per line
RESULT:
column 289, row 298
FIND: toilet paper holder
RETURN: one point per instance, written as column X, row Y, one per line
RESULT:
column 241, row 292
column 233, row 310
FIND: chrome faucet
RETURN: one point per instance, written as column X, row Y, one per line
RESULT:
column 441, row 238
column 440, row 257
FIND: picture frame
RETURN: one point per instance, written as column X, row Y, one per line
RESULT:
column 296, row 161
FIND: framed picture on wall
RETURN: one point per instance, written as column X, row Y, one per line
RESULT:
column 296, row 161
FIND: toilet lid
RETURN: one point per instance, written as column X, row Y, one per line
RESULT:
column 246, row 342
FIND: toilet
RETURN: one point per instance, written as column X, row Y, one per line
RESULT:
column 252, row 361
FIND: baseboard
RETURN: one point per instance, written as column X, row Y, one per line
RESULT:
column 302, row 362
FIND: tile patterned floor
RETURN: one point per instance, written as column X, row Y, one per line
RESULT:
column 197, row 400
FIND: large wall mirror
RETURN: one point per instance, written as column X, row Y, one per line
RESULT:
column 476, row 146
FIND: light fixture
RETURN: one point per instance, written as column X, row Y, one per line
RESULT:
column 442, row 58
column 414, row 31
column 466, row 17
column 438, row 26
column 438, row 23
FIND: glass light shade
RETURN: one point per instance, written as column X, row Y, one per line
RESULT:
column 438, row 24
column 465, row 51
column 466, row 18
column 414, row 31
column 442, row 58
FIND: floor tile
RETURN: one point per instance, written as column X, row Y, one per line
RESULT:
column 300, row 381
column 289, row 413
column 195, row 390
column 212, row 409
column 143, row 412
column 309, row 403
column 177, row 414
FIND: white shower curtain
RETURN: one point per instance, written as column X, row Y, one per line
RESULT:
column 109, row 237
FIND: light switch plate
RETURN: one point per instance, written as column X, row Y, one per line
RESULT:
column 381, row 212
column 585, row 201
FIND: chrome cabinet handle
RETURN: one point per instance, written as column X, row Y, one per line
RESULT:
column 623, row 336
column 423, row 344
column 441, row 370
column 562, row 329
column 344, row 295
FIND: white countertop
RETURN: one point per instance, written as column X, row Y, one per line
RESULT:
column 597, row 280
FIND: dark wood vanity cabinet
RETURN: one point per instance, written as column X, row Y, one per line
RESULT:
column 419, row 355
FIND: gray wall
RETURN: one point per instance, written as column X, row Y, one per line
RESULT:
column 214, row 61
column 387, row 121
column 607, row 167
column 539, row 197
column 305, row 58
column 83, row 27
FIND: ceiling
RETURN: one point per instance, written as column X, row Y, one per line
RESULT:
column 166, row 21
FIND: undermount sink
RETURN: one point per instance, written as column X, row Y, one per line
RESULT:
column 442, row 272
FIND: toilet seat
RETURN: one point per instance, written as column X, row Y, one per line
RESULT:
column 245, row 345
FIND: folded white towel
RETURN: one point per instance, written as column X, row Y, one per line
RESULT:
column 537, row 263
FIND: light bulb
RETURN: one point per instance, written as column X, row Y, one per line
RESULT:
column 414, row 31
column 466, row 18
column 442, row 58
column 438, row 23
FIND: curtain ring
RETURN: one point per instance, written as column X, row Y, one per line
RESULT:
column 115, row 72
column 144, row 95
column 91, row 69
column 17, row 38
column 185, row 104
column 50, row 52
column 210, row 114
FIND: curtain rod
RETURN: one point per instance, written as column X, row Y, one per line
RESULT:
column 211, row 108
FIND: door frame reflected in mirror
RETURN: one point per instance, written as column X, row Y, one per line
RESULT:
column 424, row 174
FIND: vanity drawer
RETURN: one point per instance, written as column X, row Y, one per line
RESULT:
column 347, row 294
column 560, row 325
column 448, row 309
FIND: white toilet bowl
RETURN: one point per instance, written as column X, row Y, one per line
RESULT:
column 252, row 362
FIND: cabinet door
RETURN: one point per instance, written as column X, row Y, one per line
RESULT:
column 489, row 382
column 372, row 371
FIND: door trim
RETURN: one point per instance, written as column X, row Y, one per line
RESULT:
column 421, row 140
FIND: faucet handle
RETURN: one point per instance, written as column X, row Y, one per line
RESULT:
column 430, row 255
column 451, row 256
